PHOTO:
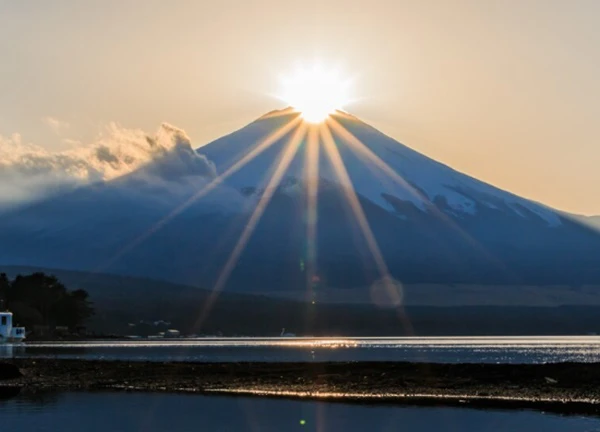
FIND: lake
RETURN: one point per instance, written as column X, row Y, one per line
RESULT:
column 129, row 412
column 431, row 349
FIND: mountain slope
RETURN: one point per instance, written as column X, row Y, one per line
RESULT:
column 594, row 221
column 430, row 182
column 431, row 223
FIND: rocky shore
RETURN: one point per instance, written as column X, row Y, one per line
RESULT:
column 564, row 387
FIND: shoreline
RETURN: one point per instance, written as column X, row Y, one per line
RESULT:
column 566, row 388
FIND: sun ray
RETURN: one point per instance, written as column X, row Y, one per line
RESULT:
column 284, row 162
column 352, row 198
column 261, row 146
column 311, row 174
column 358, row 147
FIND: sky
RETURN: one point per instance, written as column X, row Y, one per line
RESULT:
column 506, row 91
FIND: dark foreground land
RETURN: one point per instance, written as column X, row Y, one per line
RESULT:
column 563, row 387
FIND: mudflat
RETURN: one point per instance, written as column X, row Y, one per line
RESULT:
column 560, row 387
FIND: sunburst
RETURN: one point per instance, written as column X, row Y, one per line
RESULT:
column 316, row 92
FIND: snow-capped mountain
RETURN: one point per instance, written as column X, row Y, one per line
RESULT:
column 431, row 223
column 594, row 221
column 428, row 183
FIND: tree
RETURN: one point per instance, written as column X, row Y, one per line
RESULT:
column 4, row 287
column 74, row 309
column 42, row 299
column 40, row 291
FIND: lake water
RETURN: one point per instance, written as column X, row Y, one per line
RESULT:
column 434, row 349
column 129, row 412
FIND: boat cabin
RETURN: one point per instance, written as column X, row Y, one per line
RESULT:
column 8, row 333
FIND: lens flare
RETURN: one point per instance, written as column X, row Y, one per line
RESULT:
column 316, row 93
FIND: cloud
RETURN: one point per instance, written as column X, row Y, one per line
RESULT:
column 28, row 172
column 57, row 126
column 72, row 142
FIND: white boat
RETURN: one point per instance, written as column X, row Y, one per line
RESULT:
column 8, row 333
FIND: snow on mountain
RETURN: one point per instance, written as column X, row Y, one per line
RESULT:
column 432, row 224
column 431, row 183
column 591, row 221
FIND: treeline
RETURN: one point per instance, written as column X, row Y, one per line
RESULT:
column 39, row 299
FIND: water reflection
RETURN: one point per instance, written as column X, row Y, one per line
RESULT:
column 8, row 392
column 6, row 351
column 23, row 399
column 443, row 350
column 129, row 412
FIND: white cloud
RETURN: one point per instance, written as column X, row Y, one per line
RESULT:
column 57, row 126
column 72, row 143
column 28, row 171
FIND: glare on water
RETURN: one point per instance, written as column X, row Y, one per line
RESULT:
column 434, row 349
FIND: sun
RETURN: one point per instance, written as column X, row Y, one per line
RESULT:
column 315, row 92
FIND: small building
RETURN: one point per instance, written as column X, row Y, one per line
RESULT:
column 8, row 333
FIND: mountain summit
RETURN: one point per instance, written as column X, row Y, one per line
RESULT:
column 410, row 179
column 281, row 203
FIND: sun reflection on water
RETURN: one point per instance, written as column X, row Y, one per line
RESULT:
column 318, row 343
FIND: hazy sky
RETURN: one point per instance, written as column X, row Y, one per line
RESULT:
column 506, row 91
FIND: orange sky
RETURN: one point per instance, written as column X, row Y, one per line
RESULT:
column 506, row 91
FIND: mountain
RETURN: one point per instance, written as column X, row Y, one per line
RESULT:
column 590, row 221
column 432, row 183
column 594, row 221
column 431, row 223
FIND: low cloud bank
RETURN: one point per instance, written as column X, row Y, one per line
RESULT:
column 29, row 172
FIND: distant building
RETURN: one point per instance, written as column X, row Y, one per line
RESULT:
column 8, row 333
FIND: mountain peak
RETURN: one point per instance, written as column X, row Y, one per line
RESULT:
column 431, row 223
column 290, row 113
column 381, row 169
